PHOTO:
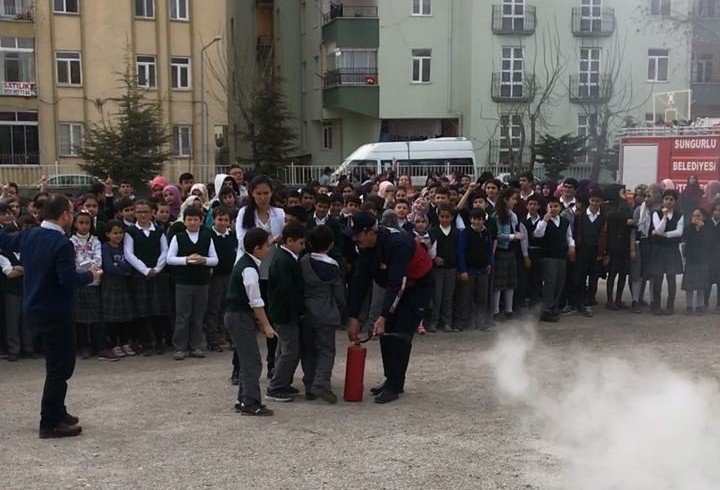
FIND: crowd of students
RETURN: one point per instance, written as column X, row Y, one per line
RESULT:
column 497, row 248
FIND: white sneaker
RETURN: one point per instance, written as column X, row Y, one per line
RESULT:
column 117, row 350
column 128, row 350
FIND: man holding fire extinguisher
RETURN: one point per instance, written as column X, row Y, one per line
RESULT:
column 398, row 264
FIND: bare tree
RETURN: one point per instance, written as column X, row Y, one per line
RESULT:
column 542, row 76
column 607, row 103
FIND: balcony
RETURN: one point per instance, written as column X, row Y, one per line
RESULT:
column 351, row 26
column 504, row 23
column 352, row 89
column 16, row 10
column 593, row 21
column 594, row 89
column 512, row 87
column 18, row 89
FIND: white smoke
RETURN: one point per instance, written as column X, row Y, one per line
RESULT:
column 614, row 423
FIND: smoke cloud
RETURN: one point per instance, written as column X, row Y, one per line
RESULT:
column 614, row 423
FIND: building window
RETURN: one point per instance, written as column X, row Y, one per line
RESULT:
column 180, row 73
column 513, row 15
column 708, row 9
column 146, row 71
column 421, row 65
column 17, row 66
column 68, row 66
column 660, row 7
column 182, row 141
column 511, row 131
column 145, row 9
column 19, row 138
column 658, row 65
column 66, row 6
column 589, row 74
column 421, row 7
column 69, row 139
column 327, row 136
column 511, row 75
column 179, row 10
column 702, row 65
column 591, row 16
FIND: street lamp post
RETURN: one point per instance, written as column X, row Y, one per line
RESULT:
column 203, row 104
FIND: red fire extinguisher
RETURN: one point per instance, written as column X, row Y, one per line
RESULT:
column 355, row 373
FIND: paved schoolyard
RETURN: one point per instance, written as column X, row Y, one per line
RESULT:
column 157, row 423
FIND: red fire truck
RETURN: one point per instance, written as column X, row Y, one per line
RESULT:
column 650, row 155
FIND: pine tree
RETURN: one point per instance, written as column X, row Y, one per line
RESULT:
column 132, row 145
column 557, row 154
column 268, row 133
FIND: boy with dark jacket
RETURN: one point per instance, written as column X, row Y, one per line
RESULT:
column 324, row 289
column 286, row 305
column 475, row 258
column 590, row 242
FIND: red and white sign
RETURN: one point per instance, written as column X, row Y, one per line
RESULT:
column 21, row 89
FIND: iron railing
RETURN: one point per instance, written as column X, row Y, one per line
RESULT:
column 512, row 87
column 590, row 88
column 350, row 76
column 593, row 21
column 340, row 10
column 506, row 20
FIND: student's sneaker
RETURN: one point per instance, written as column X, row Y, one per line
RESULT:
column 117, row 350
column 179, row 355
column 235, row 379
column 587, row 311
column 128, row 350
column 277, row 396
column 447, row 329
column 197, row 353
column 548, row 316
column 421, row 330
column 258, row 410
column 12, row 357
column 386, row 396
column 293, row 391
column 329, row 397
column 107, row 355
column 456, row 329
column 635, row 307
column 568, row 310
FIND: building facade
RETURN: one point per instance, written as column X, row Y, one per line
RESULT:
column 363, row 71
column 61, row 73
column 706, row 58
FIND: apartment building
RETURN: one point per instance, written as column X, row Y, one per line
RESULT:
column 362, row 71
column 60, row 69
column 705, row 58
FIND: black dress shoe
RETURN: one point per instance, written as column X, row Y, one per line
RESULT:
column 386, row 396
column 62, row 430
column 380, row 388
column 71, row 419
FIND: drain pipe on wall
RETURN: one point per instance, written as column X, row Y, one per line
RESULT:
column 450, row 57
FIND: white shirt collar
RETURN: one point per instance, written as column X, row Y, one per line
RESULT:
column 445, row 230
column 227, row 232
column 525, row 196
column 593, row 216
column 535, row 219
column 569, row 203
column 255, row 259
column 150, row 228
column 294, row 255
column 556, row 220
column 48, row 225
column 320, row 221
column 324, row 258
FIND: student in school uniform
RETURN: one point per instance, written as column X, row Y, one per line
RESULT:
column 225, row 243
column 666, row 232
column 286, row 305
column 325, row 298
column 244, row 314
column 531, row 274
column 510, row 234
column 475, row 259
column 590, row 242
column 557, row 246
column 697, row 259
column 145, row 247
column 445, row 237
column 192, row 254
column 713, row 225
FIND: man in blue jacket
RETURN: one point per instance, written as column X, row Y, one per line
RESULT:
column 385, row 255
column 49, row 285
